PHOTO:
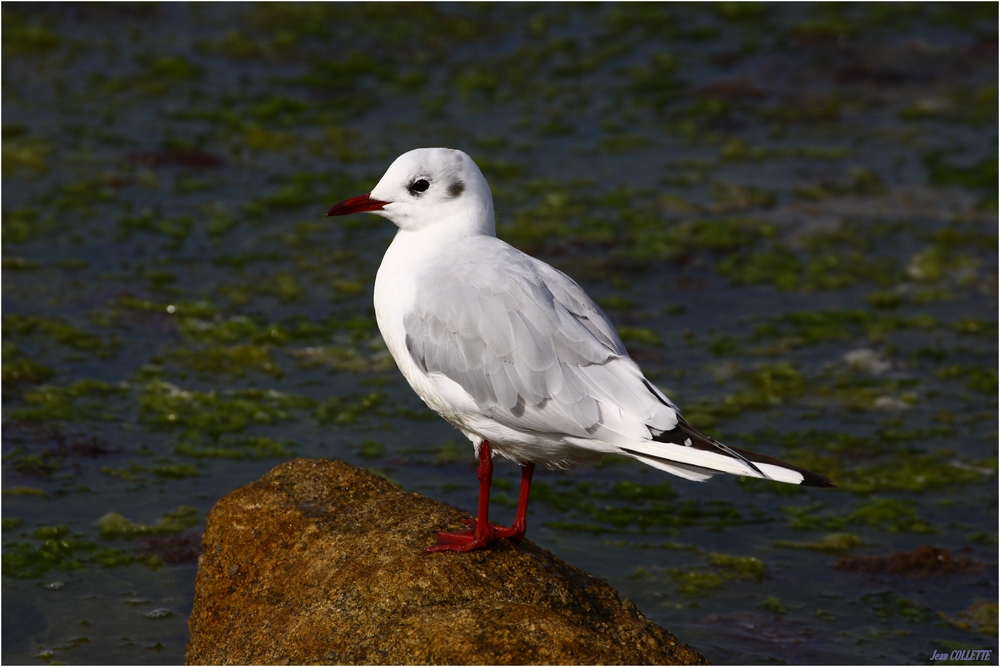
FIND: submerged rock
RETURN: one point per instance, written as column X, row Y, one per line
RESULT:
column 921, row 562
column 320, row 562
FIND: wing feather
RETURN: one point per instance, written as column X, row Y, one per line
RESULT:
column 538, row 356
column 528, row 344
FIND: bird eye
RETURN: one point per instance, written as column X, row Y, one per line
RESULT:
column 419, row 185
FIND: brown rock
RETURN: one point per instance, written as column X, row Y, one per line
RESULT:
column 320, row 562
column 921, row 562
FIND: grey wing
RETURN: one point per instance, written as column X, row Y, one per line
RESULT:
column 530, row 347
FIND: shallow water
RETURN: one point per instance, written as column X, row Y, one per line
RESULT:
column 790, row 212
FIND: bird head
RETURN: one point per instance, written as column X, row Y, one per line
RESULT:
column 429, row 187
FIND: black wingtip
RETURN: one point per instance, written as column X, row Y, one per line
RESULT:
column 818, row 481
column 808, row 478
column 689, row 436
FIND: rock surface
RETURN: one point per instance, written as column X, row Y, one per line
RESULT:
column 320, row 562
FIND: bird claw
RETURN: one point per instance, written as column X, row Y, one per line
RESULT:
column 461, row 541
column 468, row 540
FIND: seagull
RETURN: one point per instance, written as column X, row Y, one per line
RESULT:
column 513, row 352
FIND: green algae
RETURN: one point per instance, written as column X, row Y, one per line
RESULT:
column 979, row 618
column 887, row 605
column 939, row 262
column 774, row 605
column 833, row 543
column 977, row 378
column 26, row 561
column 860, row 182
column 890, row 515
column 23, row 224
column 642, row 335
column 60, row 331
column 343, row 358
column 725, row 568
column 649, row 508
column 615, row 302
column 250, row 447
column 972, row 326
column 974, row 106
column 730, row 197
column 222, row 331
column 10, row 523
column 452, row 451
column 914, row 473
column 371, row 449
column 32, row 464
column 779, row 267
column 18, row 369
column 200, row 322
column 84, row 400
column 695, row 583
column 24, row 491
column 132, row 472
column 723, row 233
column 156, row 75
column 51, row 532
column 238, row 261
column 884, row 299
column 784, row 269
column 742, row 12
column 942, row 172
column 170, row 67
column 807, row 328
column 167, row 407
column 347, row 409
column 860, row 393
column 283, row 285
column 11, row 263
column 115, row 526
column 176, row 471
column 724, row 346
column 419, row 414
column 24, row 154
column 770, row 385
column 635, row 492
column 180, row 309
column 235, row 360
column 737, row 567
column 736, row 150
column 175, row 229
column 23, row 36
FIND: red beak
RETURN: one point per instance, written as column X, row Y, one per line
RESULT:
column 358, row 204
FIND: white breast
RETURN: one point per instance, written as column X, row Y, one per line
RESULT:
column 395, row 292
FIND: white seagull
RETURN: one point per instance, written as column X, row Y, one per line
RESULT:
column 513, row 352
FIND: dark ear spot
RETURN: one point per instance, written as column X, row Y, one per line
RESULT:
column 455, row 189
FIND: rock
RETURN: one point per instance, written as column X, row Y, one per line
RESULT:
column 320, row 562
column 921, row 562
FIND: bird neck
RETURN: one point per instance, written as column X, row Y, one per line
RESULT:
column 471, row 221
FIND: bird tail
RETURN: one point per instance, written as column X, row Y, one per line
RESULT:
column 687, row 452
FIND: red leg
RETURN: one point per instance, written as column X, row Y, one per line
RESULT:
column 482, row 534
column 520, row 525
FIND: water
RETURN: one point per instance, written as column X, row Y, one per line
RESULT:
column 790, row 212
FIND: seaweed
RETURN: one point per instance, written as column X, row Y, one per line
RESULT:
column 114, row 525
column 84, row 400
column 347, row 409
column 60, row 331
column 167, row 407
column 832, row 543
column 246, row 447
